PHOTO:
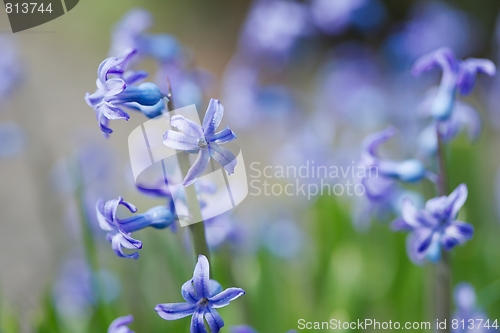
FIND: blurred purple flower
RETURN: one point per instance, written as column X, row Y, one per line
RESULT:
column 115, row 89
column 202, row 140
column 272, row 29
column 248, row 329
column 203, row 296
column 465, row 301
column 463, row 116
column 432, row 24
column 130, row 33
column 435, row 226
column 119, row 325
column 283, row 238
column 120, row 230
column 407, row 171
column 457, row 75
column 75, row 290
column 334, row 17
column 12, row 139
column 10, row 69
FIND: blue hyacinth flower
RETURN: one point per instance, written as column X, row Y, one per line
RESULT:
column 435, row 227
column 116, row 89
column 120, row 230
column 202, row 140
column 203, row 296
column 457, row 76
column 119, row 325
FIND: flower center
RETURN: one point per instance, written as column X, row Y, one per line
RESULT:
column 203, row 302
column 202, row 143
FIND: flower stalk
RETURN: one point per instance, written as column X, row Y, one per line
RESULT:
column 197, row 230
column 442, row 270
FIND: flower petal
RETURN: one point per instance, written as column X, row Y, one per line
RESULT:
column 413, row 217
column 223, row 156
column 223, row 299
column 197, row 168
column 197, row 323
column 457, row 199
column 188, row 292
column 213, row 117
column 442, row 57
column 180, row 141
column 223, row 136
column 201, row 277
column 469, row 69
column 186, row 126
column 456, row 233
column 116, row 244
column 104, row 224
column 214, row 320
column 119, row 325
column 174, row 311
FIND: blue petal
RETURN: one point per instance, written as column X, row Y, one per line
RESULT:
column 223, row 136
column 197, row 323
column 468, row 71
column 112, row 112
column 174, row 311
column 223, row 156
column 197, row 168
column 456, row 233
column 186, row 126
column 214, row 320
column 224, row 298
column 201, row 277
column 373, row 141
column 457, row 199
column 180, row 141
column 119, row 325
column 188, row 292
column 117, row 241
column 104, row 223
column 145, row 94
column 442, row 57
column 213, row 117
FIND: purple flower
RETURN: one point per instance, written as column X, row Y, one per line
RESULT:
column 119, row 325
column 115, row 90
column 120, row 230
column 248, row 329
column 457, row 75
column 408, row 170
column 203, row 296
column 465, row 301
column 130, row 32
column 202, row 140
column 435, row 226
column 10, row 69
column 272, row 29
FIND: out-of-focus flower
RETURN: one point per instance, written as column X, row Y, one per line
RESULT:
column 272, row 29
column 115, row 90
column 431, row 25
column 408, row 170
column 463, row 116
column 434, row 227
column 130, row 33
column 255, row 101
column 283, row 238
column 74, row 290
column 248, row 329
column 10, row 69
column 120, row 230
column 468, row 312
column 202, row 140
column 334, row 17
column 457, row 76
column 12, row 139
column 203, row 296
column 119, row 325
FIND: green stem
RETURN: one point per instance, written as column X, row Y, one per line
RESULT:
column 197, row 230
column 443, row 267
